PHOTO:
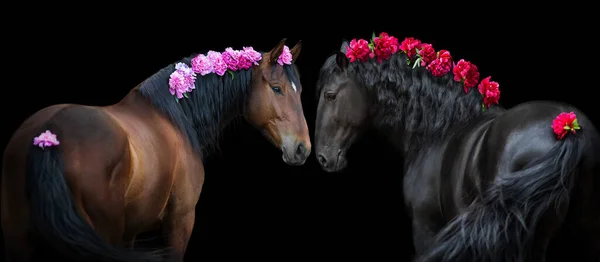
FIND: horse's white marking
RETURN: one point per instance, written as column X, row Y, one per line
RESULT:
column 294, row 86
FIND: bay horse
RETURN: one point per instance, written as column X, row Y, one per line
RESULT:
column 116, row 171
column 479, row 183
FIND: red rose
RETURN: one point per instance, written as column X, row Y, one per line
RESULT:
column 409, row 46
column 358, row 50
column 442, row 64
column 385, row 46
column 563, row 123
column 427, row 54
column 490, row 91
column 467, row 73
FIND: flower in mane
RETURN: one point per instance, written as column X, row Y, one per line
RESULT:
column 45, row 139
column 231, row 58
column 490, row 90
column 285, row 57
column 421, row 54
column 384, row 46
column 466, row 73
column 359, row 50
column 410, row 45
column 182, row 80
column 563, row 123
column 441, row 65
column 425, row 55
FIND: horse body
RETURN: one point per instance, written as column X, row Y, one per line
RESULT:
column 492, row 186
column 124, row 169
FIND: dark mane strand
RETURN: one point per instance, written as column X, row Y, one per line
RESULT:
column 424, row 107
column 200, row 117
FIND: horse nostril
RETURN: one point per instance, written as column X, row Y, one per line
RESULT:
column 300, row 150
column 322, row 160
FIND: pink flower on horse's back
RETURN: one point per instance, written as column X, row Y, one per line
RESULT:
column 427, row 54
column 467, row 73
column 202, row 65
column 46, row 139
column 285, row 57
column 442, row 64
column 359, row 50
column 217, row 61
column 490, row 91
column 231, row 58
column 563, row 123
column 385, row 46
column 409, row 46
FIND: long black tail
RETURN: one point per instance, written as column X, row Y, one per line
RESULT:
column 501, row 226
column 55, row 216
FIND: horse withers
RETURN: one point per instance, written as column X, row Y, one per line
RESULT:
column 481, row 183
column 98, row 176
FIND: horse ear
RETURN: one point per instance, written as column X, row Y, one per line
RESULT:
column 342, row 61
column 344, row 46
column 276, row 51
column 296, row 51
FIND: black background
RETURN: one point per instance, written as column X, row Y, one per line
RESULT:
column 253, row 206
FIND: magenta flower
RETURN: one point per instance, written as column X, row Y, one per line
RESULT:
column 46, row 139
column 285, row 57
column 202, row 65
column 216, row 59
column 182, row 80
column 249, row 57
column 231, row 58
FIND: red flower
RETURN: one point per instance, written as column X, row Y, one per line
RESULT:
column 385, row 46
column 467, row 73
column 427, row 54
column 563, row 123
column 442, row 64
column 359, row 50
column 409, row 46
column 490, row 91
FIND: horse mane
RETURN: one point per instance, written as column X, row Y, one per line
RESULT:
column 199, row 117
column 425, row 108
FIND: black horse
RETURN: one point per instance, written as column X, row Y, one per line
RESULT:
column 479, row 185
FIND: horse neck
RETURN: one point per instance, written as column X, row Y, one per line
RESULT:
column 215, row 101
column 415, row 109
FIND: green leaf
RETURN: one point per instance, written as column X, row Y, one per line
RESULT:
column 373, row 36
column 482, row 107
column 231, row 73
column 576, row 125
column 185, row 95
column 567, row 128
column 176, row 99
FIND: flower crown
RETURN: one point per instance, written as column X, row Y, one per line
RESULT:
column 182, row 80
column 438, row 63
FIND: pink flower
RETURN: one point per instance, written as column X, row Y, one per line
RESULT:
column 216, row 59
column 563, row 123
column 427, row 54
column 490, row 91
column 231, row 58
column 46, row 139
column 359, row 50
column 202, row 65
column 285, row 57
column 410, row 45
column 248, row 57
column 442, row 64
column 182, row 80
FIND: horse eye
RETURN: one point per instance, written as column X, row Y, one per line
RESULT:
column 329, row 96
column 276, row 89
